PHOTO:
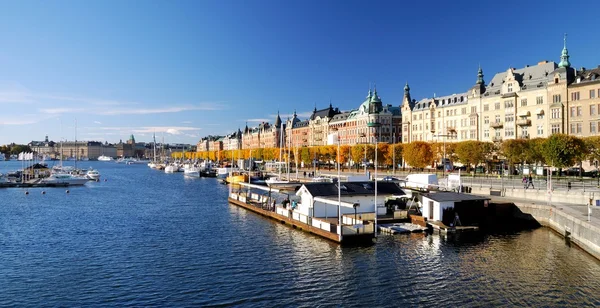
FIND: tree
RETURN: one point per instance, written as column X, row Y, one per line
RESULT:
column 305, row 156
column 593, row 147
column 384, row 153
column 562, row 150
column 398, row 149
column 358, row 151
column 345, row 153
column 514, row 150
column 418, row 154
column 472, row 152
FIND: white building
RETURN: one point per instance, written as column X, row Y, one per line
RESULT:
column 470, row 208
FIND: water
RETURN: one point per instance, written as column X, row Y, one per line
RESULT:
column 146, row 238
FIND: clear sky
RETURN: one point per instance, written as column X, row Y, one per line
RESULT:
column 186, row 69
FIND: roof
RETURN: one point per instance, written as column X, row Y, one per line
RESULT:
column 353, row 188
column 529, row 77
column 444, row 196
column 585, row 76
column 324, row 113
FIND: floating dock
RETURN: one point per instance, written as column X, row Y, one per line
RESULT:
column 401, row 228
column 441, row 228
column 32, row 185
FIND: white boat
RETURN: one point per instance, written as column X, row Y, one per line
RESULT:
column 224, row 172
column 171, row 168
column 321, row 179
column 62, row 178
column 93, row 174
column 105, row 158
column 273, row 181
column 191, row 170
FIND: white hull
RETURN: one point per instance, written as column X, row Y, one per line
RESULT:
column 105, row 158
column 65, row 178
column 171, row 169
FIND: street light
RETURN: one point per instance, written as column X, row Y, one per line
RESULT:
column 444, row 157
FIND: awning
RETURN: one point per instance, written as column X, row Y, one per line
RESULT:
column 523, row 113
column 539, row 111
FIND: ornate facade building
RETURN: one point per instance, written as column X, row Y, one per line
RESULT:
column 529, row 102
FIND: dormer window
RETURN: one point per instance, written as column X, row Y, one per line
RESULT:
column 555, row 79
column 510, row 88
column 593, row 77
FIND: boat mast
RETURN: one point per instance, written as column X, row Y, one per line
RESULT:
column 154, row 138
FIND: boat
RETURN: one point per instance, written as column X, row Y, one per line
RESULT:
column 225, row 171
column 65, row 178
column 171, row 168
column 237, row 177
column 191, row 170
column 93, row 174
column 105, row 158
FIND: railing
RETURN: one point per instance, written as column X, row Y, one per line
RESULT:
column 496, row 124
column 524, row 122
column 523, row 136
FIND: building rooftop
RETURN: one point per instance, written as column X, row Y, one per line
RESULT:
column 353, row 188
column 444, row 196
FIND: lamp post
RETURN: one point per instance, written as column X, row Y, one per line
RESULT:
column 444, row 157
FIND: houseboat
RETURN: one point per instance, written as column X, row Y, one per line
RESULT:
column 345, row 214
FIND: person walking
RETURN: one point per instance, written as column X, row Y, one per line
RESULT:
column 530, row 182
column 524, row 181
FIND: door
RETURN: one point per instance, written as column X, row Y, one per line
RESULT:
column 430, row 210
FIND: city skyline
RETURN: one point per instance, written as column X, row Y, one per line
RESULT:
column 207, row 68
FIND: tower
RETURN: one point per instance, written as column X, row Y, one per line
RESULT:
column 564, row 57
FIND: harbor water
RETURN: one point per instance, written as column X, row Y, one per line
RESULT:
column 146, row 238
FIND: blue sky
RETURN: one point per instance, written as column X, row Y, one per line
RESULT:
column 186, row 69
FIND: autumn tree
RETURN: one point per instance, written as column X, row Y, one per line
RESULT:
column 418, row 154
column 384, row 154
column 305, row 156
column 358, row 151
column 472, row 152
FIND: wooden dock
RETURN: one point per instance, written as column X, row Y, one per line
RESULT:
column 440, row 227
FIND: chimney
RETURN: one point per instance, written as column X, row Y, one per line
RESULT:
column 542, row 62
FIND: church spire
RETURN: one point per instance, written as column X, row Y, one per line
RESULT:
column 407, row 100
column 564, row 58
column 480, row 76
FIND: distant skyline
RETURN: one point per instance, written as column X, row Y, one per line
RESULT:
column 188, row 69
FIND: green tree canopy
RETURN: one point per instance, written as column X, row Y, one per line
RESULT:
column 472, row 152
column 563, row 151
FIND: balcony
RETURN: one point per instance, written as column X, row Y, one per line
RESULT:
column 523, row 136
column 451, row 129
column 373, row 124
column 497, row 139
column 496, row 125
column 361, row 135
column 524, row 122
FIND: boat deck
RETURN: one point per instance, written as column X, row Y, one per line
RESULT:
column 440, row 227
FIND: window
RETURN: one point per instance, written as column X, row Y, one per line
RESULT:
column 509, row 132
column 539, row 100
column 575, row 96
column 509, row 118
column 473, row 121
column 473, row 109
column 464, row 110
column 486, row 133
column 592, row 127
column 593, row 110
column 497, row 105
column 524, row 131
column 497, row 118
column 473, row 134
column 572, row 128
column 555, row 128
column 579, row 125
column 420, row 116
column 524, row 102
column 486, row 120
column 572, row 112
column 540, row 116
column 508, row 104
column 509, row 87
column 427, row 115
column 556, row 98
column 592, row 94
column 540, row 130
column 486, row 107
column 579, row 111
column 555, row 113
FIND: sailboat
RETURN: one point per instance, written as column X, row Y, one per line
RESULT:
column 278, row 181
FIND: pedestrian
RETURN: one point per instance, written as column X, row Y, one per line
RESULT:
column 530, row 182
column 524, row 181
column 305, row 174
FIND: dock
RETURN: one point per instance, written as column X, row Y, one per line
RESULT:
column 441, row 228
column 31, row 185
column 401, row 228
